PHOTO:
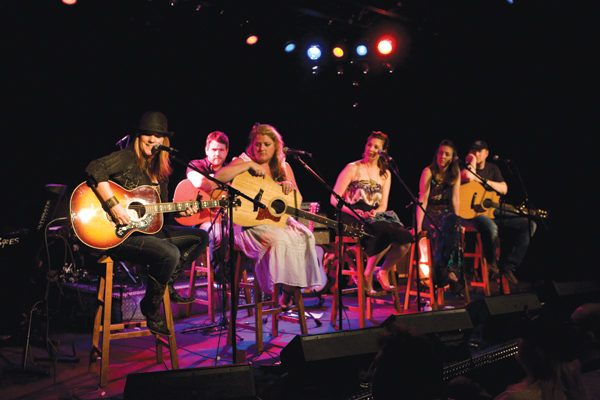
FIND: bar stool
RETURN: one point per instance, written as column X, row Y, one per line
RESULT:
column 354, row 253
column 262, row 307
column 110, row 331
column 422, row 251
column 202, row 266
column 479, row 264
column 352, row 247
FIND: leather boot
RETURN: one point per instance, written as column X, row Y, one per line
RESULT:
column 175, row 297
column 150, row 307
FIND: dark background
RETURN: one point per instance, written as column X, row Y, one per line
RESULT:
column 75, row 79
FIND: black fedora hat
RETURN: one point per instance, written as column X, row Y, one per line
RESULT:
column 154, row 123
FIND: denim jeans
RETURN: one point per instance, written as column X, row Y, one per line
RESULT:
column 516, row 233
column 173, row 246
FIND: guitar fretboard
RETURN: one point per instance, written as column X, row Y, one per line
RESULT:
column 158, row 208
column 296, row 212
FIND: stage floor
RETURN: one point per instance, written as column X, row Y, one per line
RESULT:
column 196, row 348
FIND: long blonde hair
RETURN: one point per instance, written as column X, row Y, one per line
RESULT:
column 158, row 167
column 276, row 162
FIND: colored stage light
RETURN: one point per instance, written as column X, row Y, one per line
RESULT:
column 289, row 47
column 361, row 50
column 69, row 2
column 314, row 52
column 338, row 52
column 385, row 45
column 251, row 40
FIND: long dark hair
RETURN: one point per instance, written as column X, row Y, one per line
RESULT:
column 451, row 174
column 382, row 163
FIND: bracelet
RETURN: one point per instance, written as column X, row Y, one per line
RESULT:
column 110, row 203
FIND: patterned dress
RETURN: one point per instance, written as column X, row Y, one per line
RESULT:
column 443, row 227
column 385, row 228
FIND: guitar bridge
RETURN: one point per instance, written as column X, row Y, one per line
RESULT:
column 257, row 199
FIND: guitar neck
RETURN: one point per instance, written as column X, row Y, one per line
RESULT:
column 161, row 208
column 296, row 212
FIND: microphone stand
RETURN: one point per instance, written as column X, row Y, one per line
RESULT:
column 394, row 168
column 340, row 231
column 223, row 321
column 231, row 201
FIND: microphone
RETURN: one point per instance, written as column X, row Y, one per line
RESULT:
column 497, row 158
column 160, row 147
column 123, row 142
column 384, row 155
column 293, row 152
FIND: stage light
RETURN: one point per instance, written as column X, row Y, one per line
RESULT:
column 314, row 69
column 314, row 52
column 251, row 40
column 339, row 70
column 69, row 2
column 361, row 50
column 289, row 47
column 385, row 45
column 338, row 52
column 388, row 67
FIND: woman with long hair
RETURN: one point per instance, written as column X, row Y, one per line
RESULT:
column 285, row 256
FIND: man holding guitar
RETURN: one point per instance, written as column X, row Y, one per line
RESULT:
column 164, row 249
column 216, row 150
column 479, row 172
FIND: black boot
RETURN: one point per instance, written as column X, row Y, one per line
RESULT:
column 175, row 297
column 150, row 307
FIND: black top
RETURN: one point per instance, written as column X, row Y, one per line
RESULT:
column 121, row 167
column 490, row 172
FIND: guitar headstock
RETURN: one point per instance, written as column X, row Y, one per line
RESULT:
column 534, row 212
column 356, row 231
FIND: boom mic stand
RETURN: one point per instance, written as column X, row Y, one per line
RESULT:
column 394, row 168
column 339, row 231
column 232, row 194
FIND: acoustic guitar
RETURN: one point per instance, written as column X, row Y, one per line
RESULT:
column 475, row 201
column 279, row 206
column 94, row 226
column 186, row 191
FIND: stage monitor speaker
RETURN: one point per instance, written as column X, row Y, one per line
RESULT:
column 501, row 318
column 211, row 383
column 450, row 328
column 332, row 361
column 564, row 297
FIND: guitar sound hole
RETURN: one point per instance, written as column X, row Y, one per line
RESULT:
column 278, row 206
column 139, row 208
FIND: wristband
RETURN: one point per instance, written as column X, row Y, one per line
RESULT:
column 110, row 203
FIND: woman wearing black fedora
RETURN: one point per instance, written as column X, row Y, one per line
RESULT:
column 171, row 247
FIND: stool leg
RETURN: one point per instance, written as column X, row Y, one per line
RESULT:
column 360, row 270
column 210, row 287
column 192, row 288
column 411, row 263
column 171, row 327
column 95, row 349
column 106, row 322
column 301, row 315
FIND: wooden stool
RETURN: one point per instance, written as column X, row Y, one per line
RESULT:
column 424, row 262
column 103, row 324
column 263, row 308
column 479, row 264
column 202, row 265
column 352, row 246
column 364, row 307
